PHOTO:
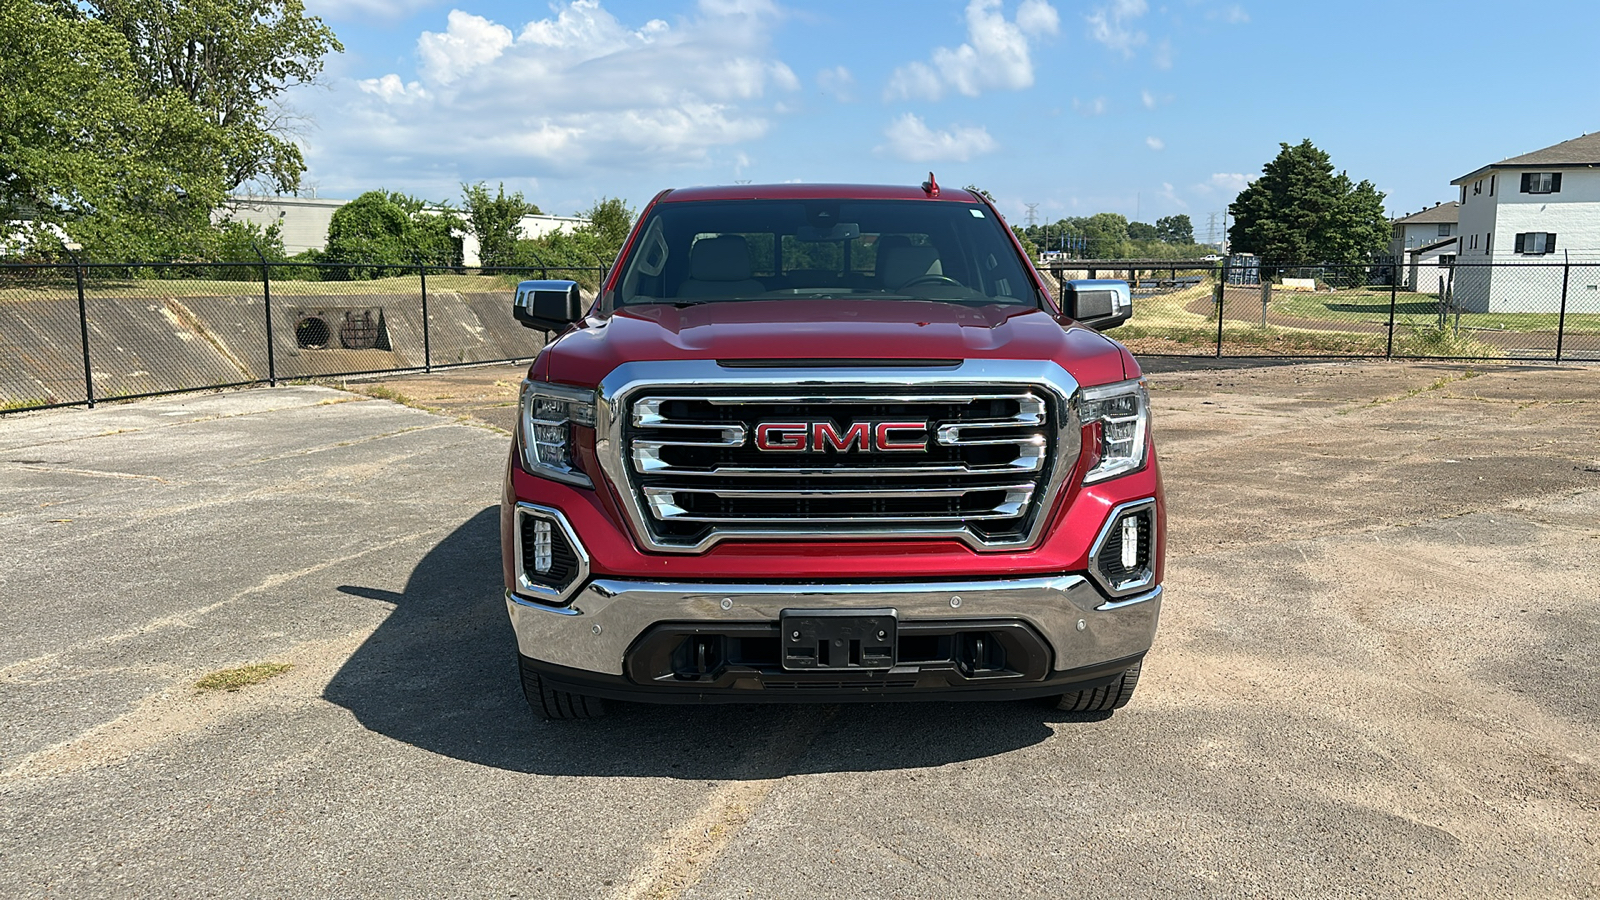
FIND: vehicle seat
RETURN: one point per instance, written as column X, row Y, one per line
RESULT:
column 720, row 267
column 899, row 264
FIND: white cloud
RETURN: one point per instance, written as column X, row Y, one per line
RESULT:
column 1162, row 59
column 391, row 89
column 1233, row 15
column 838, row 82
column 1114, row 25
column 912, row 140
column 1091, row 108
column 1148, row 99
column 1227, row 183
column 570, row 92
column 468, row 42
column 995, row 56
column 1169, row 194
column 1155, row 143
column 365, row 9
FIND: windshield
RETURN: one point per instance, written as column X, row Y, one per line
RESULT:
column 823, row 249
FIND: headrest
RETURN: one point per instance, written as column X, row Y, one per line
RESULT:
column 725, row 258
column 898, row 265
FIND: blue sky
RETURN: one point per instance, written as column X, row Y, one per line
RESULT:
column 1132, row 106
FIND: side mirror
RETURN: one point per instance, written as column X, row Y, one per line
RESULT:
column 547, row 305
column 1098, row 304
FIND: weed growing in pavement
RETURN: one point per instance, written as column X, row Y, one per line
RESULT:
column 233, row 679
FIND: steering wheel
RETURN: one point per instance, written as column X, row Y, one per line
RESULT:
column 931, row 279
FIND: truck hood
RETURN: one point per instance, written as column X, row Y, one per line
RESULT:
column 828, row 329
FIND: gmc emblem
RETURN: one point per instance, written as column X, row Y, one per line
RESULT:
column 870, row 437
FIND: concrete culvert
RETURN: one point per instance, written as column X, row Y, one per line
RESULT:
column 312, row 333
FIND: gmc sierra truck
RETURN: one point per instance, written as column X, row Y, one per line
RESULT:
column 828, row 443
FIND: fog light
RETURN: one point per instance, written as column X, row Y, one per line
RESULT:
column 542, row 547
column 1130, row 542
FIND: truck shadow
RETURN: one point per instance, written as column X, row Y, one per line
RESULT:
column 440, row 674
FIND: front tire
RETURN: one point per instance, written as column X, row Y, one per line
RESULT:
column 554, row 704
column 1105, row 698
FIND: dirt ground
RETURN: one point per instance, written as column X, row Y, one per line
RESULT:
column 1376, row 674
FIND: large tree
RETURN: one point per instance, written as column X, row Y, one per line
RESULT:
column 379, row 231
column 1299, row 211
column 494, row 220
column 1175, row 229
column 232, row 60
column 85, row 148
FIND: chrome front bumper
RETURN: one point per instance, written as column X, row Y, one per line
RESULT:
column 606, row 617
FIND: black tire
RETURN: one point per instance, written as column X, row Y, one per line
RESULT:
column 1105, row 698
column 556, row 704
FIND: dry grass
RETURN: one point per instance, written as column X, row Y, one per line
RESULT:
column 234, row 679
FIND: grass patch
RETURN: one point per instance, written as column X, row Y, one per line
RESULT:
column 1418, row 310
column 1418, row 391
column 234, row 679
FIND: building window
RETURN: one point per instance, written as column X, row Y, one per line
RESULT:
column 1447, row 259
column 1463, row 195
column 1477, row 187
column 1491, row 184
column 1488, row 243
column 1536, row 243
column 1541, row 182
column 1444, row 230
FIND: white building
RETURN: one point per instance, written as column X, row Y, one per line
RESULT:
column 303, row 222
column 1420, row 229
column 1536, row 217
column 1428, row 268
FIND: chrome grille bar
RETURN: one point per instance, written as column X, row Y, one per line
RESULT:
column 677, row 440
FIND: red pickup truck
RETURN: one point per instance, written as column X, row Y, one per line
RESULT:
column 830, row 443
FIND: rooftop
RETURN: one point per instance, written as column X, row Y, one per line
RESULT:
column 1581, row 151
column 1437, row 214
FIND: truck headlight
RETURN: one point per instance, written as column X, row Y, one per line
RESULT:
column 550, row 416
column 1122, row 411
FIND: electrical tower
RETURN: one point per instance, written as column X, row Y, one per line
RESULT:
column 1211, row 230
column 1033, row 214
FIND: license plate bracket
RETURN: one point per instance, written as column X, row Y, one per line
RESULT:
column 838, row 639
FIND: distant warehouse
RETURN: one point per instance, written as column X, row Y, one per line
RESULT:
column 303, row 222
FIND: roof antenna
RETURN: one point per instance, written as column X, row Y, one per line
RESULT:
column 931, row 186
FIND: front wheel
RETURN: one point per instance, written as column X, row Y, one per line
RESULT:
column 1105, row 698
column 556, row 704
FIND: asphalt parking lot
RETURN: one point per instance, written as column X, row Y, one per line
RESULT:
column 1376, row 674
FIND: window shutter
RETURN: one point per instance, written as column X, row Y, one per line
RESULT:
column 1550, row 242
column 1555, row 183
column 1521, row 238
column 1527, row 178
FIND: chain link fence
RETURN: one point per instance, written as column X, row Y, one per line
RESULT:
column 80, row 332
column 1502, row 310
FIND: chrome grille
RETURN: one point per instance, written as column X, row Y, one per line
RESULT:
column 983, row 474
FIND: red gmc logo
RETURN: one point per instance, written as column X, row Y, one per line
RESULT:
column 870, row 437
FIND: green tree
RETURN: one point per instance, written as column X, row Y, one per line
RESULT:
column 494, row 221
column 1299, row 211
column 1175, row 229
column 232, row 60
column 127, row 172
column 1028, row 246
column 380, row 230
column 1106, row 233
column 1142, row 231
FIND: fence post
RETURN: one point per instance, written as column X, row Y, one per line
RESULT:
column 266, row 298
column 1561, row 320
column 1222, row 303
column 83, row 327
column 1394, row 297
column 427, row 332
